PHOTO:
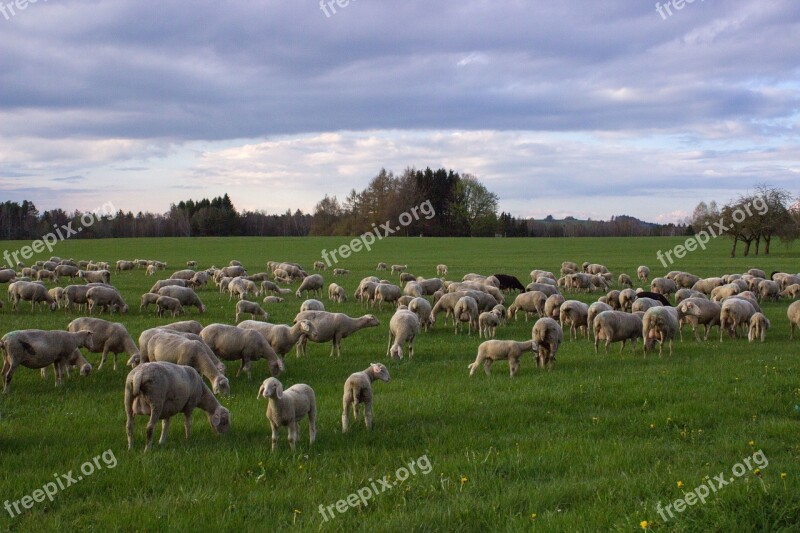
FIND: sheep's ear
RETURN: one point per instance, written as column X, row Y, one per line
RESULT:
column 261, row 391
column 215, row 419
column 376, row 368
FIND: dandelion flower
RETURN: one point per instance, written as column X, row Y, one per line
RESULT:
column 533, row 516
column 652, row 426
column 783, row 475
column 464, row 479
column 644, row 524
column 680, row 484
column 752, row 443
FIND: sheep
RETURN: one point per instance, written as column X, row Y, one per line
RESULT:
column 105, row 298
column 124, row 265
column 233, row 271
column 36, row 348
column 653, row 296
column 358, row 390
column 188, row 329
column 568, row 267
column 612, row 299
column 381, row 266
column 466, row 310
column 595, row 309
column 288, row 407
column 405, row 277
column 659, row 324
column 336, row 293
column 386, row 292
column 625, row 280
column 187, row 326
column 242, row 287
column 399, row 269
column 422, row 308
column 30, row 292
column 735, row 312
column 7, row 275
column 788, row 280
column 76, row 294
column 68, row 271
column 162, row 390
column 684, row 280
column 107, row 337
column 545, row 280
column 183, row 274
column 616, row 326
column 575, row 314
column 148, row 298
column 500, row 350
column 755, row 272
column 441, row 270
column 685, row 294
column 552, row 306
column 530, row 302
column 547, row 335
column 151, row 270
column 447, row 303
column 272, row 300
column 341, row 272
column 312, row 284
column 158, row 285
column 699, row 311
column 268, row 286
column 200, row 279
column 403, row 328
column 793, row 313
column 707, row 285
column 319, row 265
column 542, row 287
column 429, row 286
column 724, row 291
column 487, row 324
column 413, row 289
column 792, row 291
column 43, row 275
column 769, row 290
column 643, row 304
column 57, row 293
column 185, row 295
column 231, row 343
column 280, row 337
column 168, row 303
column 759, row 324
column 535, row 274
column 509, row 282
column 312, row 305
column 333, row 327
column 165, row 345
column 663, row 286
column 245, row 306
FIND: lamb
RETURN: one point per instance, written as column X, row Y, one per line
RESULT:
column 312, row 305
column 336, row 293
column 245, row 306
column 381, row 266
column 57, row 294
column 769, row 290
column 36, row 348
column 241, row 287
column 272, row 300
column 791, row 291
column 30, row 292
column 663, row 286
column 231, row 343
column 318, row 265
column 793, row 313
column 487, row 324
column 164, row 345
column 313, row 284
column 466, row 310
column 547, row 335
column 441, row 270
column 162, row 390
column 280, row 337
column 616, row 326
column 575, row 314
column 185, row 295
column 552, row 306
column 340, row 272
column 735, row 312
column 107, row 337
column 625, row 280
column 107, row 298
column 530, row 302
column 333, row 327
column 759, row 324
column 422, row 308
column 268, row 286
column 595, row 309
column 499, row 350
column 168, row 303
column 287, row 408
column 151, row 270
column 626, row 299
column 148, row 299
column 718, row 294
column 403, row 328
column 659, row 324
column 699, row 311
column 386, row 292
column 358, row 390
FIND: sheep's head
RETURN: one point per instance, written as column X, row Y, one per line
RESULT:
column 370, row 321
column 134, row 360
column 222, row 386
column 86, row 369
column 220, row 420
column 270, row 388
column 379, row 371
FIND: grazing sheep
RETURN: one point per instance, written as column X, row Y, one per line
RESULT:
column 398, row 269
column 542, row 287
column 626, row 299
column 413, row 289
column 487, row 324
column 707, row 285
column 341, row 272
column 165, row 345
column 187, row 326
column 718, row 294
column 162, row 390
column 38, row 349
column 441, row 270
column 168, row 283
column 663, row 286
column 148, row 299
column 793, row 313
column 62, row 271
column 500, row 350
column 755, row 272
column 280, row 337
column 509, row 282
column 167, row 303
column 769, row 290
column 199, row 280
column 547, row 335
column 684, row 280
column 124, row 265
column 272, row 300
column 105, row 298
column 245, row 307
column 659, row 324
column 792, row 291
column 403, row 328
column 57, row 294
column 654, row 296
column 466, row 310
column 595, row 309
column 685, row 294
column 185, row 295
column 405, row 277
column 312, row 305
column 612, row 299
column 333, row 327
column 381, row 266
column 699, row 311
column 107, row 337
column 616, row 326
column 242, row 287
column 319, row 265
column 288, row 407
column 552, row 306
column 529, row 302
column 429, row 286
column 358, row 391
column 336, row 293
column 574, row 314
column 76, row 295
column 422, row 308
column 625, row 280
column 7, row 275
column 231, row 343
column 32, row 292
column 190, row 264
column 386, row 292
column 311, row 284
column 735, row 312
column 643, row 304
column 183, row 274
column 643, row 273
column 233, row 271
column 268, row 286
column 759, row 324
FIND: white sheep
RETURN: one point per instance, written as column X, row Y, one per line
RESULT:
column 574, row 314
column 663, row 286
column 699, row 311
column 311, row 284
column 381, row 266
column 547, row 335
column 169, row 346
column 312, row 305
column 341, row 272
column 735, row 312
column 231, row 343
column 616, row 326
column 769, row 290
column 282, row 338
column 403, row 328
column 759, row 324
column 273, row 300
column 625, row 280
column 107, row 337
column 466, row 310
column 529, row 302
column 319, row 265
column 336, row 293
column 643, row 273
column 253, row 309
column 595, row 309
column 487, row 324
column 333, row 327
column 793, row 313
column 288, row 407
column 386, row 292
column 441, row 270
column 161, row 390
column 185, row 295
column 659, row 324
column 168, row 303
column 32, row 292
column 500, row 350
column 358, row 391
column 105, row 298
column 422, row 308
column 38, row 349
column 398, row 269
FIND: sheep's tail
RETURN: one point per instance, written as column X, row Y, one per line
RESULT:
column 136, row 386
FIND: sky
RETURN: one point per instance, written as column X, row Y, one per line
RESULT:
column 588, row 109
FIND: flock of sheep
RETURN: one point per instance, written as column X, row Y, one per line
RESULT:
column 169, row 362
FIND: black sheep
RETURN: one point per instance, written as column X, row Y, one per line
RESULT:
column 655, row 296
column 508, row 282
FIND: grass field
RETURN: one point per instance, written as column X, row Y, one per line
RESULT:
column 592, row 445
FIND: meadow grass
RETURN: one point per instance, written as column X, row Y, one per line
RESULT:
column 592, row 445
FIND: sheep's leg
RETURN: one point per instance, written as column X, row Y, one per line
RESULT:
column 312, row 424
column 355, row 408
column 165, row 430
column 155, row 411
column 596, row 343
column 129, row 416
column 411, row 347
column 622, row 348
column 368, row 414
column 345, row 414
column 103, row 359
column 293, row 432
column 187, row 424
column 487, row 366
column 274, row 435
column 608, row 344
column 391, row 339
column 8, row 373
